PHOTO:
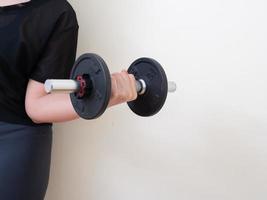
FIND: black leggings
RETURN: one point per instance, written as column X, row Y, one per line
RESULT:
column 25, row 154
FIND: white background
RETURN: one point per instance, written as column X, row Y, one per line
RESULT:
column 210, row 140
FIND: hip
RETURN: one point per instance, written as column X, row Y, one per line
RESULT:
column 8, row 130
column 25, row 155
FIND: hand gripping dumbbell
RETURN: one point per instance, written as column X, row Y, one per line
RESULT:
column 90, row 86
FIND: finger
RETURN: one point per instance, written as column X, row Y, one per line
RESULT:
column 120, row 81
column 125, row 76
column 119, row 84
column 133, row 87
column 132, row 84
column 123, row 85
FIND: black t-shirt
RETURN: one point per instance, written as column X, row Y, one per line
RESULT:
column 38, row 41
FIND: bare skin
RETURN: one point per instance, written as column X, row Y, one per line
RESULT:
column 50, row 108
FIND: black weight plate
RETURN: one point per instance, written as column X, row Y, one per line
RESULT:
column 155, row 96
column 93, row 105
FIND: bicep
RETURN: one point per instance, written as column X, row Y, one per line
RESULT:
column 35, row 90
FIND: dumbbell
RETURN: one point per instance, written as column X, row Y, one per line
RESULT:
column 90, row 86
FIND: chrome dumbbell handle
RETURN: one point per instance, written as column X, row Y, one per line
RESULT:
column 70, row 86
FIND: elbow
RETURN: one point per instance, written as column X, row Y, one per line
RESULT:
column 33, row 113
column 33, row 107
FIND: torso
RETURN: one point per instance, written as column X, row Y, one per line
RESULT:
column 24, row 33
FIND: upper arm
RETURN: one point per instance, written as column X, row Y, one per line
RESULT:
column 35, row 90
column 55, row 62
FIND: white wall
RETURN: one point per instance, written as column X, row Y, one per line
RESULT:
column 210, row 140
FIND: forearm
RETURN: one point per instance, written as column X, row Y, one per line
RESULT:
column 52, row 108
column 49, row 108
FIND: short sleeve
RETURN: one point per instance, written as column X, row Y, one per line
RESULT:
column 59, row 53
